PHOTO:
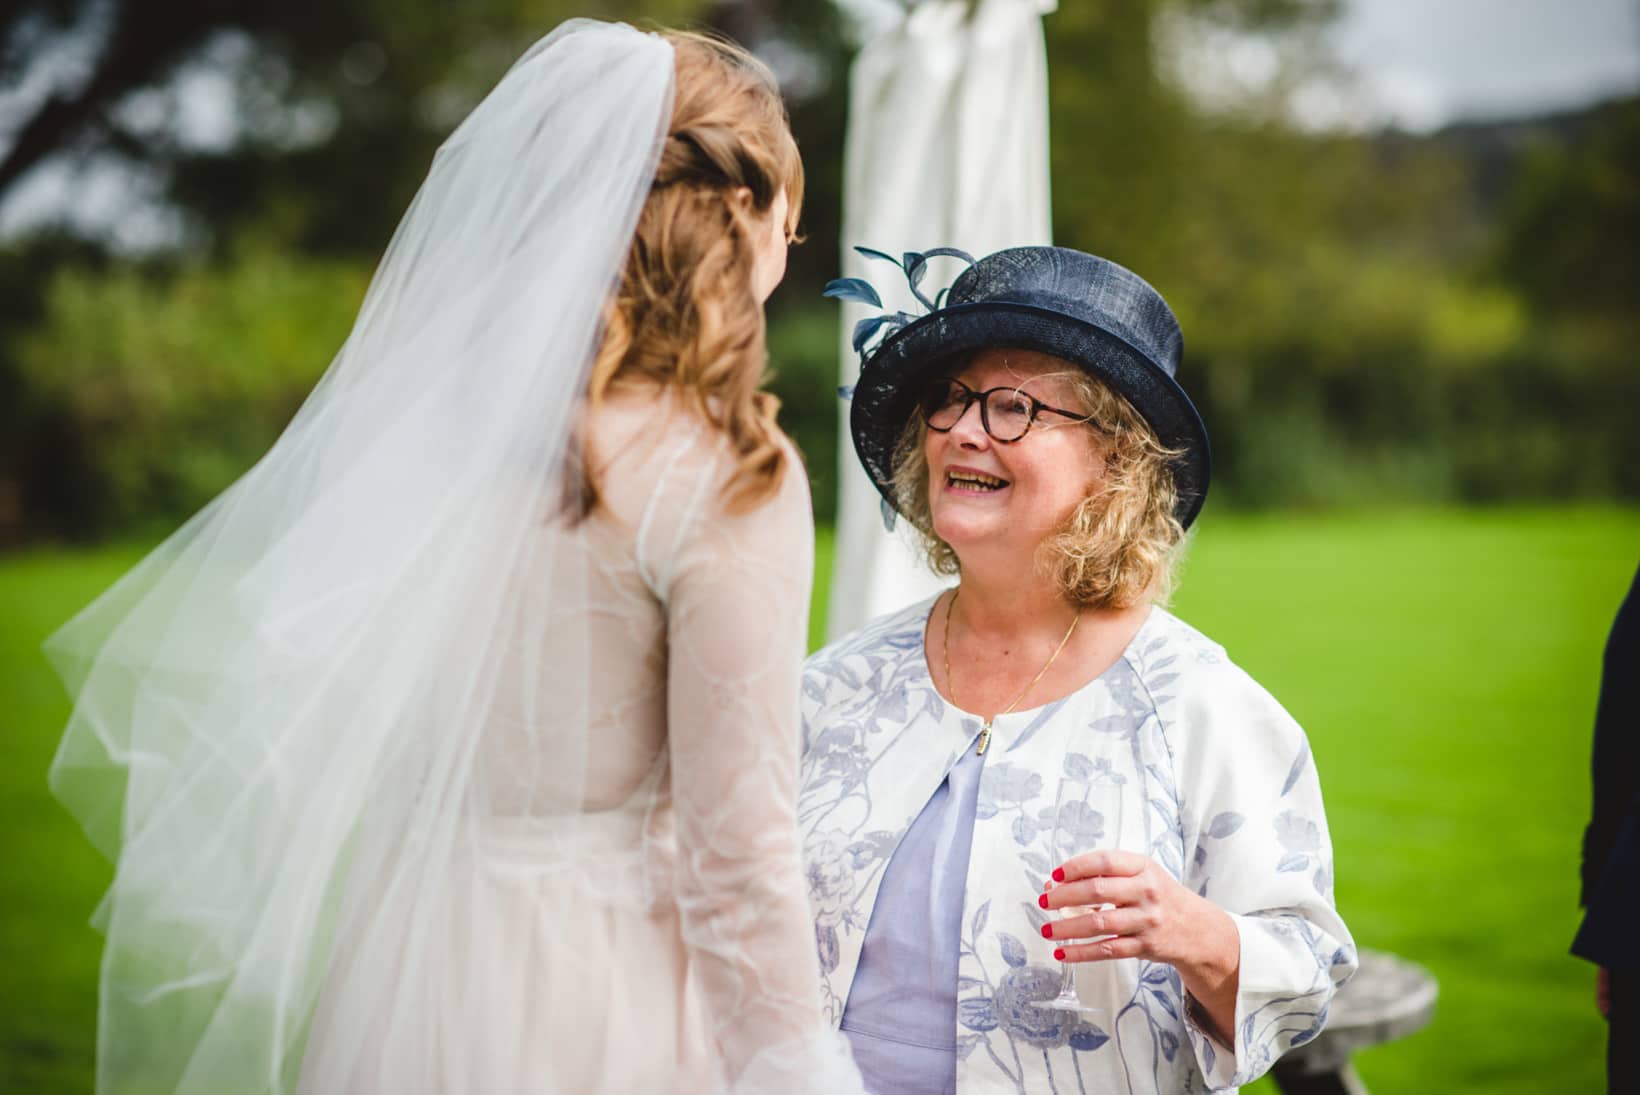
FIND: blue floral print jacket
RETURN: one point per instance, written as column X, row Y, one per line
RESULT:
column 1179, row 755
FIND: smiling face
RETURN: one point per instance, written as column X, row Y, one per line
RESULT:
column 1000, row 500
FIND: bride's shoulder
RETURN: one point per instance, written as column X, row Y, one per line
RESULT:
column 630, row 412
column 654, row 449
column 637, row 433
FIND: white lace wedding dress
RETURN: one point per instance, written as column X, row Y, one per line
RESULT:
column 413, row 784
column 630, row 916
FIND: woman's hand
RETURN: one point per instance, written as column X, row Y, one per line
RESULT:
column 1153, row 917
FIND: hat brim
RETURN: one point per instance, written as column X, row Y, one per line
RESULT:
column 891, row 383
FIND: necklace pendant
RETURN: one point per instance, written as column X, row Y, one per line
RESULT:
column 951, row 688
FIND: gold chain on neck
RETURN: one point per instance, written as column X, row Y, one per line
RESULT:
column 951, row 687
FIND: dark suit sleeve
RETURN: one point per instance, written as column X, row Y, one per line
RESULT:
column 1616, row 742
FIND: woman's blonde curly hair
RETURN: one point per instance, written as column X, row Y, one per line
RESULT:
column 1120, row 546
column 685, row 314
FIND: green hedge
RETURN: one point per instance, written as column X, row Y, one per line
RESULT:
column 146, row 393
column 140, row 394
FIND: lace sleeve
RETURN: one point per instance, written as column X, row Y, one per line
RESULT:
column 737, row 588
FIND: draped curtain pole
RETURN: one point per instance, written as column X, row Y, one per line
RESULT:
column 947, row 146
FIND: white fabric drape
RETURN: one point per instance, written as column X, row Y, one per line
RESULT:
column 947, row 147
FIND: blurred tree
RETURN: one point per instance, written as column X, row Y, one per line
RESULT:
column 1570, row 235
column 337, row 104
column 148, row 395
column 1126, row 140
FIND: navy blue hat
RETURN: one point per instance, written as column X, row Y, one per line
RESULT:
column 1072, row 305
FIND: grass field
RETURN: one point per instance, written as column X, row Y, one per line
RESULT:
column 1444, row 663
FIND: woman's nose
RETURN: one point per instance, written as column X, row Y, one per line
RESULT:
column 969, row 430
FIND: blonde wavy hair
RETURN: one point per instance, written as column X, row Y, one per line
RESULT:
column 685, row 313
column 1120, row 545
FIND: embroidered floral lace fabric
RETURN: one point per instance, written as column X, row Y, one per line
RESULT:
column 629, row 918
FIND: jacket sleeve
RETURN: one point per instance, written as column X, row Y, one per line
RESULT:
column 1256, row 844
column 1616, row 760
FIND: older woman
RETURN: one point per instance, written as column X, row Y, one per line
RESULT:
column 1041, row 769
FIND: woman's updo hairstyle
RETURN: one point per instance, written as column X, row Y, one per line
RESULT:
column 685, row 313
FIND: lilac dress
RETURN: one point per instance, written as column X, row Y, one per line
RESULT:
column 901, row 1016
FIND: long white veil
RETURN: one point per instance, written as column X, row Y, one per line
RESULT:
column 282, row 699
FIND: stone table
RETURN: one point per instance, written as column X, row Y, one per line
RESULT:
column 1388, row 998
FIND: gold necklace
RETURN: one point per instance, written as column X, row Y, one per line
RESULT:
column 945, row 656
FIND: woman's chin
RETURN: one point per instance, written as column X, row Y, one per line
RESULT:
column 968, row 530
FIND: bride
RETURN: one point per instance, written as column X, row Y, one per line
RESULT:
column 453, row 749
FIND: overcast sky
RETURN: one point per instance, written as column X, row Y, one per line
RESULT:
column 1433, row 61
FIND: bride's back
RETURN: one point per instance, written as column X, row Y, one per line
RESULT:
column 590, row 671
column 679, row 446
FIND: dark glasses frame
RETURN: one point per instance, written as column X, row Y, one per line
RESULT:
column 969, row 397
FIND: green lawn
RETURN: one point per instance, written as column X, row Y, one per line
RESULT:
column 51, row 878
column 1446, row 668
column 1444, row 663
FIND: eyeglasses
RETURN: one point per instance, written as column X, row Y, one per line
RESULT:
column 1007, row 414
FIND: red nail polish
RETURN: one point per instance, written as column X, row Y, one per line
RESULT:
column 1059, row 954
column 1059, row 874
column 1043, row 901
column 1047, row 931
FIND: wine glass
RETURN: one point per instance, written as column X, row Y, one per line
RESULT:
column 1079, row 826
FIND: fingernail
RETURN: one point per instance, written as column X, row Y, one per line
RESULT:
column 1043, row 901
column 1059, row 874
column 1059, row 954
column 1047, row 931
